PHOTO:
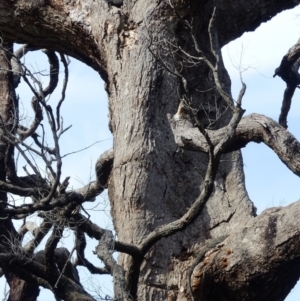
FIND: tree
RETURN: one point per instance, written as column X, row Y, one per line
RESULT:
column 171, row 208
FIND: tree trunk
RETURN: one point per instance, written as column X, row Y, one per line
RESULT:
column 153, row 182
column 20, row 290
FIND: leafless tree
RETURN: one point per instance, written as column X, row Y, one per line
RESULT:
column 186, row 228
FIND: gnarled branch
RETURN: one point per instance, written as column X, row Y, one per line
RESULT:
column 252, row 128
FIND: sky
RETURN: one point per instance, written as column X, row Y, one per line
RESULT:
column 256, row 54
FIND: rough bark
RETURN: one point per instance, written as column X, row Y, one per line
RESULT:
column 152, row 183
column 252, row 258
column 253, row 128
column 21, row 290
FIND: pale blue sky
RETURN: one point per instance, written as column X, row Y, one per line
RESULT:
column 268, row 181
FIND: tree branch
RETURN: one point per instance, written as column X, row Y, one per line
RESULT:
column 104, row 251
column 288, row 71
column 103, row 169
column 81, row 260
column 51, row 245
column 39, row 96
column 55, row 28
column 39, row 234
column 270, row 240
column 34, row 271
column 239, row 17
column 252, row 128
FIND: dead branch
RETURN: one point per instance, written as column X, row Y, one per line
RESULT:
column 47, row 196
column 252, row 128
column 104, row 252
column 103, row 169
column 288, row 71
column 16, row 64
column 86, row 193
column 39, row 234
column 79, row 221
column 52, row 244
column 63, row 91
column 39, row 97
column 34, row 271
column 81, row 260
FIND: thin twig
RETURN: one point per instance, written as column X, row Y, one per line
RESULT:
column 62, row 271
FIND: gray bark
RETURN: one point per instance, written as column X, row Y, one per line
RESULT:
column 152, row 183
column 252, row 258
column 252, row 128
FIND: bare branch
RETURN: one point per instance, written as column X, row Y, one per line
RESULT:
column 63, row 92
column 52, row 244
column 40, row 96
column 29, row 226
column 17, row 68
column 288, row 71
column 81, row 260
column 103, row 168
column 104, row 251
column 33, row 270
column 39, row 234
column 256, row 128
